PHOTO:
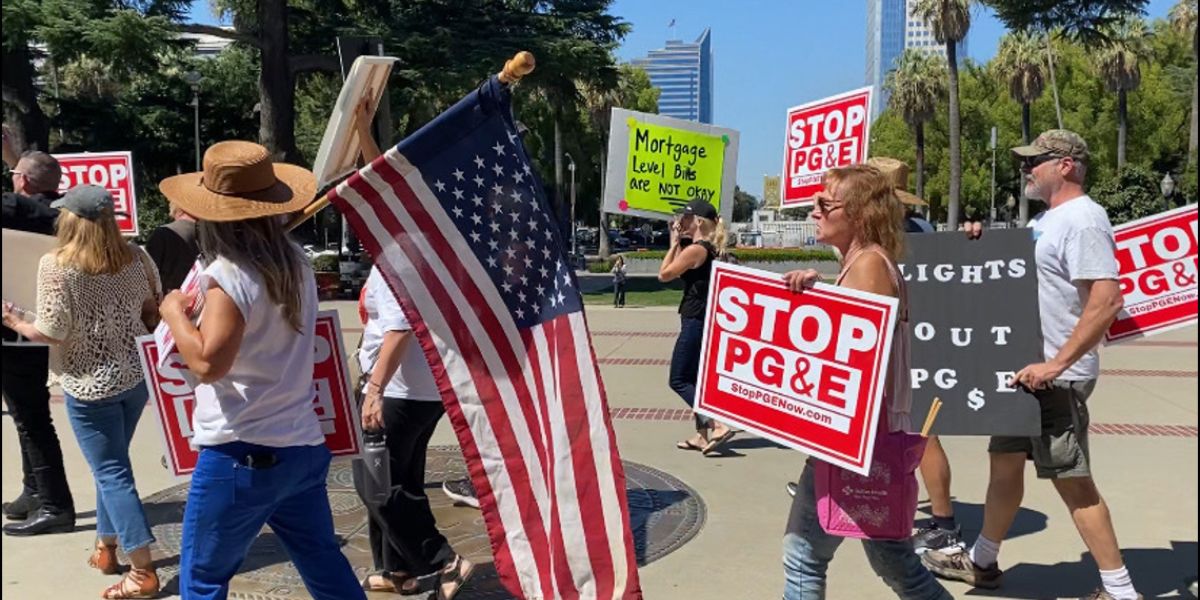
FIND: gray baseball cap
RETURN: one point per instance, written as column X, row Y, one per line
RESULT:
column 87, row 201
column 1059, row 142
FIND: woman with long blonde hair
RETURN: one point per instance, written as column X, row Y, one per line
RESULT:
column 263, row 459
column 697, row 238
column 96, row 293
column 859, row 214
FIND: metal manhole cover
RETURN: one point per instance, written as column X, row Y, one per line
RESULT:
column 664, row 514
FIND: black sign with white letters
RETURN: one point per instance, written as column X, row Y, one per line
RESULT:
column 973, row 322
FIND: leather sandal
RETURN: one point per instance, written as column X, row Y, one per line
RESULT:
column 137, row 583
column 104, row 559
column 392, row 582
column 453, row 577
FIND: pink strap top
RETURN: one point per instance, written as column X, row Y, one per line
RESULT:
column 897, row 391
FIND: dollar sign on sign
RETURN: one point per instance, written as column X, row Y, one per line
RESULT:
column 975, row 399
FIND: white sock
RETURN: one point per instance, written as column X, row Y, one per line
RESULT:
column 1118, row 584
column 984, row 552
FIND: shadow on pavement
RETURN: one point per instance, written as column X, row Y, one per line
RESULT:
column 640, row 522
column 1156, row 572
column 970, row 518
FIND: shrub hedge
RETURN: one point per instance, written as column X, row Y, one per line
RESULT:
column 744, row 255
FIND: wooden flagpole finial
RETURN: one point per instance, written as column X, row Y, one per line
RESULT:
column 517, row 67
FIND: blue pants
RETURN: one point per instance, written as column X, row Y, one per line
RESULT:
column 807, row 550
column 104, row 429
column 685, row 364
column 230, row 501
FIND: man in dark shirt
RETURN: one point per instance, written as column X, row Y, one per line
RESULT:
column 45, row 504
column 173, row 248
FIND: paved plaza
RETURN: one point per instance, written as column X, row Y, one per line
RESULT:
column 710, row 528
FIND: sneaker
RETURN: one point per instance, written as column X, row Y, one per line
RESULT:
column 461, row 491
column 932, row 537
column 1102, row 594
column 959, row 567
column 791, row 488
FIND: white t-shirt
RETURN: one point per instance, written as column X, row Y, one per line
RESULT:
column 267, row 396
column 1074, row 244
column 413, row 380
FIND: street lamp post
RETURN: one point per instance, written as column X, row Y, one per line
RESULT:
column 193, row 78
column 993, row 173
column 571, row 168
column 1167, row 187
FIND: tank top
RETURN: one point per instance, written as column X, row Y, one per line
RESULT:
column 897, row 390
column 695, row 286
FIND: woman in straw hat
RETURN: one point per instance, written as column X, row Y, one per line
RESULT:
column 859, row 214
column 262, row 452
column 97, row 292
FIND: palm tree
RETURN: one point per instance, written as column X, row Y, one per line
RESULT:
column 949, row 20
column 1019, row 61
column 916, row 86
column 1119, row 63
column 1183, row 18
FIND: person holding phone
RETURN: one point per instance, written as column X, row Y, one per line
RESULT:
column 696, row 235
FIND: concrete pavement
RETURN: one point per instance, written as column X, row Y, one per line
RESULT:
column 1144, row 451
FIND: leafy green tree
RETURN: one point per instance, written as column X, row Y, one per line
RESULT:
column 1131, row 195
column 744, row 205
column 949, row 20
column 128, row 36
column 1019, row 62
column 1183, row 19
column 633, row 92
column 150, row 114
column 916, row 87
column 1080, row 20
column 1119, row 65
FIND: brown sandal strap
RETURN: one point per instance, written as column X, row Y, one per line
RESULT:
column 104, row 559
column 137, row 583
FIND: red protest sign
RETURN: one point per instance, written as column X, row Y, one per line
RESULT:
column 806, row 370
column 112, row 171
column 333, row 402
column 823, row 135
column 1158, row 268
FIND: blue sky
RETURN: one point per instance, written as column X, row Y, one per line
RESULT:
column 771, row 55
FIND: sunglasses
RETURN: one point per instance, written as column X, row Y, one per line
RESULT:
column 826, row 204
column 1033, row 162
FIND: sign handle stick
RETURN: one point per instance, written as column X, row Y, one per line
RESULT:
column 933, row 413
column 520, row 65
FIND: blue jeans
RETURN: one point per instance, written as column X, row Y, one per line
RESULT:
column 230, row 501
column 807, row 550
column 104, row 429
column 685, row 364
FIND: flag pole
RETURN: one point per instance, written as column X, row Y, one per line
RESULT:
column 520, row 65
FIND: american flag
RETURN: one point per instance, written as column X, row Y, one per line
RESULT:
column 460, row 228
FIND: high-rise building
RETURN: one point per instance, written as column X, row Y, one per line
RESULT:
column 919, row 35
column 885, row 43
column 683, row 74
column 891, row 28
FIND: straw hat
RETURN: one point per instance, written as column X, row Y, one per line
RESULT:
column 897, row 172
column 240, row 182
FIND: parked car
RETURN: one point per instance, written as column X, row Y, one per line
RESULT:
column 616, row 240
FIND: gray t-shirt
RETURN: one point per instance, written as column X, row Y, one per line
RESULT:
column 1074, row 245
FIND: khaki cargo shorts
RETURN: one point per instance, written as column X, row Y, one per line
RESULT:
column 1061, row 451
